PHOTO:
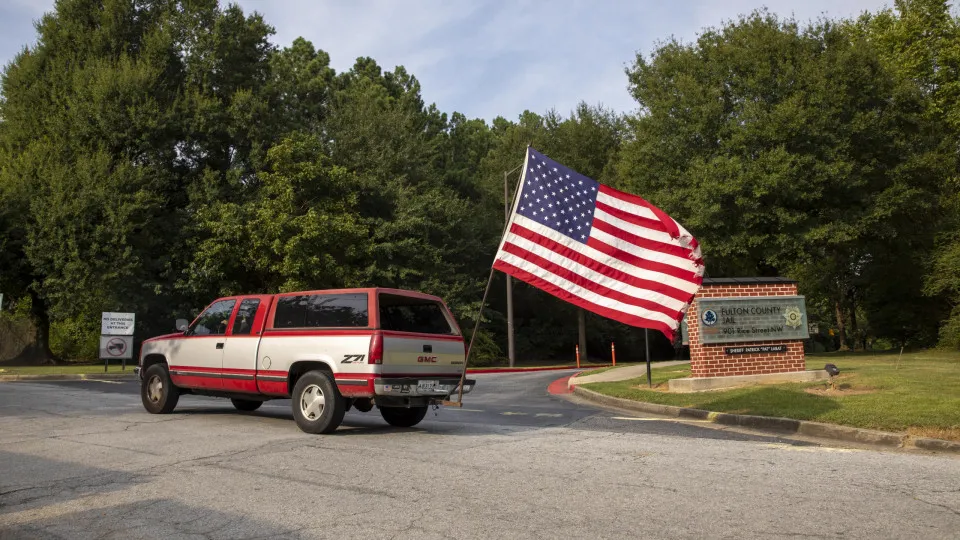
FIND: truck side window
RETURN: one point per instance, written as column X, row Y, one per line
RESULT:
column 243, row 324
column 213, row 321
column 322, row 311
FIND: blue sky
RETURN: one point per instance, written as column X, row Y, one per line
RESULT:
column 490, row 57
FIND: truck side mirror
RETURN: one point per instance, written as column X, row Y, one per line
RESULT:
column 182, row 325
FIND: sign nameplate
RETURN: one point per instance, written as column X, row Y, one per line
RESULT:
column 756, row 318
column 754, row 349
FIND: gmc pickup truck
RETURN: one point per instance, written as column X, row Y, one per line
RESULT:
column 326, row 351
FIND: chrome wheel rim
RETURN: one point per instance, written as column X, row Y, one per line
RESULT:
column 154, row 389
column 312, row 402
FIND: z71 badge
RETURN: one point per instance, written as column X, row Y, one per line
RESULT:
column 352, row 358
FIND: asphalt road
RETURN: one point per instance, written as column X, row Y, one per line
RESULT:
column 83, row 460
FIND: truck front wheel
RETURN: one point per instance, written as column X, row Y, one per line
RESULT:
column 158, row 394
column 317, row 404
column 402, row 416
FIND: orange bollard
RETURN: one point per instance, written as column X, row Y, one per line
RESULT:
column 613, row 354
column 578, row 355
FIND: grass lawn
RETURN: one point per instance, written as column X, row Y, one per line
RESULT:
column 922, row 397
column 72, row 369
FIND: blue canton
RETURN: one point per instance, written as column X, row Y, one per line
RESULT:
column 558, row 197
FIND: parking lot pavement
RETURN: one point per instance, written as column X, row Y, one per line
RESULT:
column 83, row 460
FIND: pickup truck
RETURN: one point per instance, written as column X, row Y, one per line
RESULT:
column 326, row 351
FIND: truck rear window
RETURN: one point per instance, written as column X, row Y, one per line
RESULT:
column 322, row 311
column 409, row 314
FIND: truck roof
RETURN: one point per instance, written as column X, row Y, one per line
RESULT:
column 368, row 290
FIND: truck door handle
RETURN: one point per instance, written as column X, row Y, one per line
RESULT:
column 220, row 345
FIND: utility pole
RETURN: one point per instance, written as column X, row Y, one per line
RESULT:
column 511, row 349
column 582, row 319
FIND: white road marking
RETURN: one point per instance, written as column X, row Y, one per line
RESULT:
column 633, row 419
column 552, row 415
column 513, row 413
column 781, row 446
column 104, row 381
column 461, row 409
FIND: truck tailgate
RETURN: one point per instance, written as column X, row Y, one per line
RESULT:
column 416, row 355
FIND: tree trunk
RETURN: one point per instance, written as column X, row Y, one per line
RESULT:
column 39, row 352
column 841, row 327
column 854, row 330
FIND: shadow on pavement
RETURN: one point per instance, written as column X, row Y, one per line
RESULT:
column 26, row 478
column 151, row 518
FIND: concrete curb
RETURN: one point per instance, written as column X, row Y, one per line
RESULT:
column 67, row 376
column 530, row 370
column 779, row 425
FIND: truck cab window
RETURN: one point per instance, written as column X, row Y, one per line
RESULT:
column 213, row 321
column 243, row 324
column 322, row 311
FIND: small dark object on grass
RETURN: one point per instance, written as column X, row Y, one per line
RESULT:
column 831, row 370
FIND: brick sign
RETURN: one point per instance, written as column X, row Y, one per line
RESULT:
column 758, row 318
column 754, row 349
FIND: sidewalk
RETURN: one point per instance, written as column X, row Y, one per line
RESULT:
column 623, row 373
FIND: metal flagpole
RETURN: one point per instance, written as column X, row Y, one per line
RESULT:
column 646, row 341
column 483, row 302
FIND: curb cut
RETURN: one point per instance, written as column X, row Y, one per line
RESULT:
column 780, row 425
column 67, row 376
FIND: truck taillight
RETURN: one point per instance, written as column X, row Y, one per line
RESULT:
column 376, row 349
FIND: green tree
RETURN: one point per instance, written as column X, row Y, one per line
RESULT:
column 121, row 115
column 789, row 150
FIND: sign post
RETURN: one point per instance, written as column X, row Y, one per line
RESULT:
column 116, row 337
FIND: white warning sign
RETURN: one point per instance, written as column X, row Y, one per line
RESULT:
column 117, row 324
column 116, row 347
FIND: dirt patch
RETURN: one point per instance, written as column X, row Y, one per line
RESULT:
column 949, row 434
column 839, row 391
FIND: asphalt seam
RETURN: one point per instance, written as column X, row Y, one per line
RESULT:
column 777, row 425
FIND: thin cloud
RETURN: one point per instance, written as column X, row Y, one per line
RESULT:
column 489, row 58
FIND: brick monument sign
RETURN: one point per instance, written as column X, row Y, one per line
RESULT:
column 746, row 331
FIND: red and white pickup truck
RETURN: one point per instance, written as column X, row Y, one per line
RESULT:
column 327, row 351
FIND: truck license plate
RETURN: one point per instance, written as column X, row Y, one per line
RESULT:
column 427, row 385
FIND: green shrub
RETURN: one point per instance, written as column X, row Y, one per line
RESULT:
column 75, row 339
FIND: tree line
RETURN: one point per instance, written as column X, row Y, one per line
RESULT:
column 156, row 154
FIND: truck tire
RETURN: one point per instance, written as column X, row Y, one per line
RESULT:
column 317, row 404
column 246, row 405
column 158, row 394
column 402, row 416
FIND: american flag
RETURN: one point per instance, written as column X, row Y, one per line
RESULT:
column 609, row 252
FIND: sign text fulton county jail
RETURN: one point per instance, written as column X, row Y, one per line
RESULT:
column 761, row 318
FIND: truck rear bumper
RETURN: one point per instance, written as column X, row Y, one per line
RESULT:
column 409, row 387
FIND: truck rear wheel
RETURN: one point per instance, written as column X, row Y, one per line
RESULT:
column 246, row 404
column 317, row 404
column 158, row 394
column 403, row 416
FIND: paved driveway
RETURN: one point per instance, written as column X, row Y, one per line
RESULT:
column 83, row 460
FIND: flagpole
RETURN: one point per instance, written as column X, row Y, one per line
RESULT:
column 486, row 290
